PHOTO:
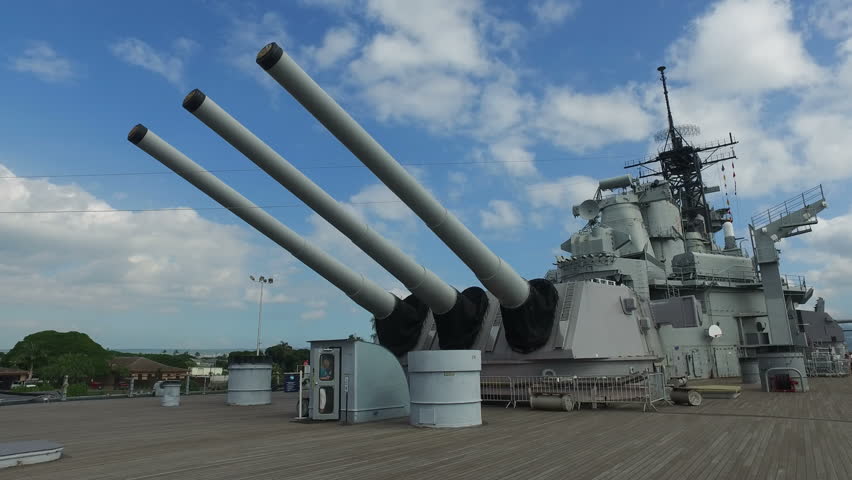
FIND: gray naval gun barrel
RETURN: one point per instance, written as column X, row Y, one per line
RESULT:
column 374, row 299
column 528, row 308
column 466, row 311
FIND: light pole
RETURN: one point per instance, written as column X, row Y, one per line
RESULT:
column 262, row 281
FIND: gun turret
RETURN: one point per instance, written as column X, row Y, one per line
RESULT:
column 374, row 299
column 527, row 307
column 440, row 297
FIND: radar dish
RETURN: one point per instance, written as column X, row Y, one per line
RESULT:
column 684, row 131
column 589, row 209
column 714, row 331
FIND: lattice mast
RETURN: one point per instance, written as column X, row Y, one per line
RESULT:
column 681, row 164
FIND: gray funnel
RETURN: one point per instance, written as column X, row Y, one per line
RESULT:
column 498, row 277
column 437, row 294
column 361, row 290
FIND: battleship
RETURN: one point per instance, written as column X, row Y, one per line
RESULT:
column 654, row 300
column 645, row 285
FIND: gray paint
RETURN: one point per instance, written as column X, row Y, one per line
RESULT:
column 785, row 224
column 622, row 213
column 249, row 384
column 820, row 328
column 679, row 312
column 592, row 334
column 378, row 388
column 444, row 388
column 778, row 361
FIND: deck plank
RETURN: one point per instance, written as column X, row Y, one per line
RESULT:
column 759, row 435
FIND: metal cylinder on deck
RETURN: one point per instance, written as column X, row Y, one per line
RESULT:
column 691, row 398
column 750, row 369
column 444, row 386
column 561, row 403
column 171, row 394
column 250, row 381
column 790, row 360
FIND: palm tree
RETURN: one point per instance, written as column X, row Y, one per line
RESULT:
column 31, row 355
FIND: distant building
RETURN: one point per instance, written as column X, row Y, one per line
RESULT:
column 144, row 370
column 8, row 376
column 207, row 371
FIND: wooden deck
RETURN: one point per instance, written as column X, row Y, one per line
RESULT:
column 759, row 435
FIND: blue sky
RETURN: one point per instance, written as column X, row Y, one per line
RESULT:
column 508, row 111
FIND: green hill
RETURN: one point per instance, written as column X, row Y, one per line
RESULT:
column 36, row 351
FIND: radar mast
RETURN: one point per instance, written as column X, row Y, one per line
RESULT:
column 680, row 164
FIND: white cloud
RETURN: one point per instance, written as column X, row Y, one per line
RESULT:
column 502, row 216
column 553, row 11
column 185, row 46
column 459, row 178
column 411, row 40
column 744, row 46
column 827, row 144
column 579, row 121
column 337, row 44
column 832, row 17
column 313, row 315
column 378, row 200
column 334, row 5
column 44, row 62
column 438, row 98
column 269, row 297
column 826, row 253
column 788, row 145
column 170, row 66
column 330, row 240
column 502, row 109
column 317, row 303
column 562, row 193
column 407, row 72
column 246, row 37
column 113, row 259
column 513, row 156
column 457, row 182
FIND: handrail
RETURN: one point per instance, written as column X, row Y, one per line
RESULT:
column 808, row 197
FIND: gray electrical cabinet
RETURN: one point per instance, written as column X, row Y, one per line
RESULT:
column 356, row 382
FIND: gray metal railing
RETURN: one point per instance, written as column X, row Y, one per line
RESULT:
column 644, row 388
column 808, row 197
column 730, row 274
column 497, row 390
column 826, row 364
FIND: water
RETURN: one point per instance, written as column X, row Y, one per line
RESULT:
column 847, row 332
